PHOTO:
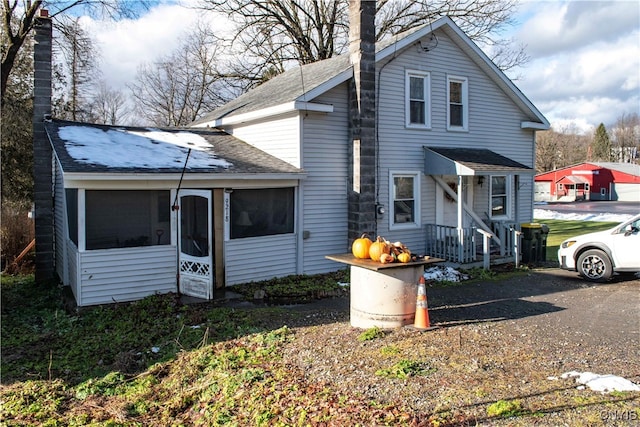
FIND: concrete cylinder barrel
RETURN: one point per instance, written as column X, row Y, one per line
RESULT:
column 384, row 298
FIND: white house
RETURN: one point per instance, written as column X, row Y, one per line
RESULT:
column 424, row 140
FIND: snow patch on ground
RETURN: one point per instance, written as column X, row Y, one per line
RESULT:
column 441, row 274
column 602, row 383
column 599, row 217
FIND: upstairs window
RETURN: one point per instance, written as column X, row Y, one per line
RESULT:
column 418, row 103
column 457, row 100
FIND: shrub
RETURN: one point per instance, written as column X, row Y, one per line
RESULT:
column 16, row 232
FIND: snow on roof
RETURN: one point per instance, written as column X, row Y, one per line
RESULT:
column 145, row 149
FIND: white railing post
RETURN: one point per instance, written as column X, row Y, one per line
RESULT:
column 486, row 245
column 516, row 246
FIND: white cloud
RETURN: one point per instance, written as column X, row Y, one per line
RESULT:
column 585, row 65
column 126, row 44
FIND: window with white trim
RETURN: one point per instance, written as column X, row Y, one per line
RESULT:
column 458, row 103
column 404, row 199
column 418, row 102
column 500, row 196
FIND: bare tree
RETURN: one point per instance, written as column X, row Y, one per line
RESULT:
column 626, row 138
column 78, row 58
column 18, row 20
column 272, row 34
column 108, row 106
column 558, row 148
column 180, row 87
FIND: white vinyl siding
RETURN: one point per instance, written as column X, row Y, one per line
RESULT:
column 259, row 258
column 326, row 160
column 60, row 220
column 116, row 275
column 279, row 136
column 417, row 99
column 494, row 123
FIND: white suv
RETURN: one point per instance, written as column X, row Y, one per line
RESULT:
column 596, row 256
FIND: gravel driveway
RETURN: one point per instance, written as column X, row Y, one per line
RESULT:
column 508, row 340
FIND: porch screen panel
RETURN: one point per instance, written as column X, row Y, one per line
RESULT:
column 262, row 212
column 71, row 195
column 127, row 218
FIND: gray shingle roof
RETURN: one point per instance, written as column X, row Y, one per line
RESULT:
column 221, row 153
column 285, row 87
column 479, row 160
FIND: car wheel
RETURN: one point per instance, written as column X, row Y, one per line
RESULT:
column 595, row 265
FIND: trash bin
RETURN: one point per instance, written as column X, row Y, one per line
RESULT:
column 542, row 243
column 531, row 232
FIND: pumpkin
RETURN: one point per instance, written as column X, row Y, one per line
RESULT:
column 404, row 257
column 378, row 248
column 360, row 247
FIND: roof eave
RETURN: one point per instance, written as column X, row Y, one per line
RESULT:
column 535, row 125
column 147, row 180
column 276, row 110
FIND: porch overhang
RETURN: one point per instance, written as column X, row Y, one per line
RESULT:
column 470, row 162
column 572, row 179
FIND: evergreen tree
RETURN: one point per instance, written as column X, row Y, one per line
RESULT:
column 601, row 146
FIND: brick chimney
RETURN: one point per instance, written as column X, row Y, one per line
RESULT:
column 42, row 190
column 362, row 197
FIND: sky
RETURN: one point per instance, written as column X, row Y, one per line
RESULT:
column 584, row 66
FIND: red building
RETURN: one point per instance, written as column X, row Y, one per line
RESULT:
column 590, row 181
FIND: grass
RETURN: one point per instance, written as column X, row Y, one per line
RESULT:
column 560, row 230
column 157, row 362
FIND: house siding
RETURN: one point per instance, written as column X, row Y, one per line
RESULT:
column 494, row 123
column 326, row 160
column 279, row 136
column 117, row 275
column 60, row 222
column 259, row 258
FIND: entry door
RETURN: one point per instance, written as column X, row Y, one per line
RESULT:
column 196, row 272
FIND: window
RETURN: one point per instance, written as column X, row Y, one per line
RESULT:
column 124, row 218
column 405, row 191
column 457, row 99
column 500, row 186
column 417, row 93
column 262, row 212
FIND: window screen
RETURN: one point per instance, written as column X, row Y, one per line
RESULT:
column 262, row 212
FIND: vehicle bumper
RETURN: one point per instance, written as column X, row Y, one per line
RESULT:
column 566, row 262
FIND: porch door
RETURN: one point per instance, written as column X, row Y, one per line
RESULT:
column 196, row 270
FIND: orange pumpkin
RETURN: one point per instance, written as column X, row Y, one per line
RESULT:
column 360, row 247
column 378, row 248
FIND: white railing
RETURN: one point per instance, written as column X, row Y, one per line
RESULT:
column 443, row 242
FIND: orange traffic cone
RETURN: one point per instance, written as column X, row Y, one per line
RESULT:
column 422, row 312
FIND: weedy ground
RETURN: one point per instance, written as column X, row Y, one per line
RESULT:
column 161, row 362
